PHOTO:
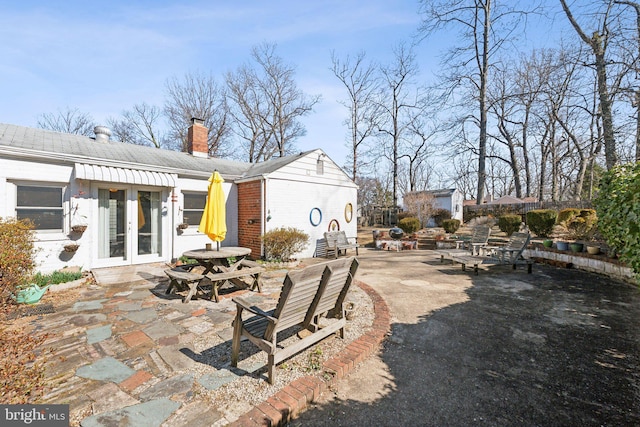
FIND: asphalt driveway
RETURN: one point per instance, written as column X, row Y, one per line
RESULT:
column 558, row 347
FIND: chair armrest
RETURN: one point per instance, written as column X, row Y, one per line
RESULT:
column 253, row 309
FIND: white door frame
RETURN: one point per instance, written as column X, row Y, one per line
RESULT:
column 131, row 225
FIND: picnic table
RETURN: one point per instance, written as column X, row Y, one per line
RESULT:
column 218, row 270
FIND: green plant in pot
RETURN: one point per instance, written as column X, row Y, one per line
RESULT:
column 547, row 243
column 562, row 246
column 576, row 247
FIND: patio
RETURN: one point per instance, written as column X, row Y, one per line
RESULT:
column 553, row 347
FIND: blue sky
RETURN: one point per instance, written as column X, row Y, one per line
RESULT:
column 104, row 57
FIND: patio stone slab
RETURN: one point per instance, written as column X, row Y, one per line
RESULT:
column 87, row 319
column 195, row 414
column 217, row 379
column 162, row 329
column 167, row 388
column 143, row 316
column 148, row 414
column 129, row 306
column 88, row 305
column 107, row 369
column 98, row 334
column 109, row 397
column 176, row 356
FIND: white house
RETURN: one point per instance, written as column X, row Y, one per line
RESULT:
column 450, row 199
column 143, row 204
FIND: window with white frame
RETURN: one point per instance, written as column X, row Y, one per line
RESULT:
column 193, row 207
column 42, row 205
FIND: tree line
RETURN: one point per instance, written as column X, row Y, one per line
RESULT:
column 498, row 117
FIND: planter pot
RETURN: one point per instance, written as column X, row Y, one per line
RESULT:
column 576, row 247
column 72, row 247
column 593, row 250
column 183, row 226
column 79, row 228
column 562, row 246
column 547, row 243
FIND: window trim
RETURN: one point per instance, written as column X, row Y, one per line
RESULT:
column 62, row 208
column 184, row 210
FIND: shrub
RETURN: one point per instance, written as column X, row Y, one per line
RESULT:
column 618, row 209
column 583, row 226
column 22, row 366
column 56, row 277
column 509, row 223
column 451, row 225
column 440, row 215
column 409, row 225
column 281, row 244
column 16, row 255
column 566, row 215
column 541, row 221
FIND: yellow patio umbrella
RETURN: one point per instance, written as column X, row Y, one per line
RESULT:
column 213, row 222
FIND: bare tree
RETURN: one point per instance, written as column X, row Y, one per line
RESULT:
column 400, row 102
column 267, row 105
column 140, row 126
column 198, row 95
column 362, row 85
column 485, row 26
column 68, row 121
column 598, row 43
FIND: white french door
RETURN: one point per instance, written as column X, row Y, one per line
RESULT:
column 130, row 224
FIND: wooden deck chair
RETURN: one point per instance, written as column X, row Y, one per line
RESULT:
column 511, row 253
column 301, row 303
column 479, row 239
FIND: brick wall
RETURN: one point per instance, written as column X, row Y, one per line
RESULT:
column 249, row 217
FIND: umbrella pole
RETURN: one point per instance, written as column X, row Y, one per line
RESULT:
column 218, row 245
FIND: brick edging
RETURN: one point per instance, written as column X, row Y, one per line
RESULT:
column 286, row 404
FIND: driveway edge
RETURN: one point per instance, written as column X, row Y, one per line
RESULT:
column 286, row 404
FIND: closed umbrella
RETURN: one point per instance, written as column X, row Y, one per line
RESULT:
column 213, row 222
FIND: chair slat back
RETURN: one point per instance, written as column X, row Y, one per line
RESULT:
column 298, row 292
column 343, row 272
column 481, row 234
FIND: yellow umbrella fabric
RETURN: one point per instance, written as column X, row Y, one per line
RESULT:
column 213, row 222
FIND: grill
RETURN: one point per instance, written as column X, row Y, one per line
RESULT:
column 396, row 233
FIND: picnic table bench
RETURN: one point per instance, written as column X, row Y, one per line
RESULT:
column 245, row 275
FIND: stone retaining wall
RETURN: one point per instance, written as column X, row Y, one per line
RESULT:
column 589, row 264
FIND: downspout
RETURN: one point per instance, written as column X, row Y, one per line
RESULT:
column 263, row 214
column 174, row 199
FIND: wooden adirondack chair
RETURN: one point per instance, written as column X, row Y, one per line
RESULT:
column 511, row 253
column 305, row 297
column 479, row 239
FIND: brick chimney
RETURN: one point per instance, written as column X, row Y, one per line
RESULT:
column 197, row 141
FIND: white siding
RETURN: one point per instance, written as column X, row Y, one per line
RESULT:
column 191, row 238
column 290, row 204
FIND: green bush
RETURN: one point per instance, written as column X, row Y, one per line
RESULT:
column 541, row 221
column 281, row 244
column 16, row 256
column 409, row 225
column 566, row 215
column 450, row 225
column 440, row 215
column 583, row 226
column 618, row 208
column 509, row 223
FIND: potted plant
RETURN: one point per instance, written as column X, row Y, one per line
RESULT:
column 183, row 226
column 593, row 249
column 547, row 243
column 71, row 247
column 562, row 246
column 79, row 228
column 576, row 247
